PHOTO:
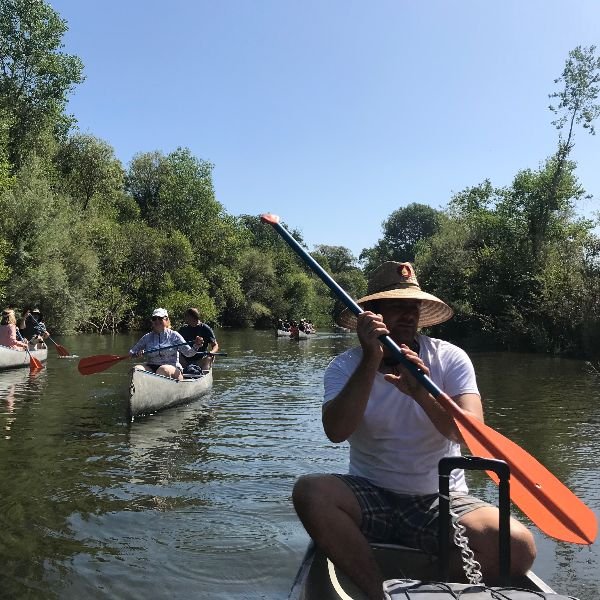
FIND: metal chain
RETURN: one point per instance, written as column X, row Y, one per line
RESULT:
column 471, row 567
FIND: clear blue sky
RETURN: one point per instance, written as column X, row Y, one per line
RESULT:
column 333, row 113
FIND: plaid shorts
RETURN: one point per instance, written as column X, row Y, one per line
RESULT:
column 391, row 518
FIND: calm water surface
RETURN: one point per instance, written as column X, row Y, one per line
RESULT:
column 195, row 502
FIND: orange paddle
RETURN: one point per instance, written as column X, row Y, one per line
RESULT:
column 98, row 363
column 34, row 363
column 101, row 362
column 539, row 494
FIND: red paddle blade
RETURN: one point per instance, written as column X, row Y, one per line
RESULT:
column 34, row 364
column 98, row 363
column 555, row 509
column 62, row 351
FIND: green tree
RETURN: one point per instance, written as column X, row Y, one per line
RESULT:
column 35, row 76
column 402, row 230
column 144, row 178
column 52, row 261
column 577, row 105
column 89, row 169
column 336, row 259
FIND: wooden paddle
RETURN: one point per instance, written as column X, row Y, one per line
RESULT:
column 34, row 363
column 62, row 351
column 101, row 362
column 537, row 492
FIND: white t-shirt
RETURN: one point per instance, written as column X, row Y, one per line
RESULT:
column 396, row 446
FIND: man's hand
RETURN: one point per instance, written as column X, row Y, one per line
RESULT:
column 369, row 327
column 403, row 379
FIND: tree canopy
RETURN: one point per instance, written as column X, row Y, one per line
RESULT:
column 97, row 244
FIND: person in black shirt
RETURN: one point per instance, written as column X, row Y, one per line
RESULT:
column 32, row 326
column 194, row 327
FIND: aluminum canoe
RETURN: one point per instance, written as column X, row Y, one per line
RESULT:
column 11, row 359
column 149, row 392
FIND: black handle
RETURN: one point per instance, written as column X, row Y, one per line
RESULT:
column 474, row 463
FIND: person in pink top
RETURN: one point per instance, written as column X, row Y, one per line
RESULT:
column 8, row 331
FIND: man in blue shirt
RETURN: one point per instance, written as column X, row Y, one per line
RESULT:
column 195, row 328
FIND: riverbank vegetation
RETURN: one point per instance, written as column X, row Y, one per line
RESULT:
column 97, row 244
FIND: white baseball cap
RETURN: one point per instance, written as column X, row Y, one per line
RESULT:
column 160, row 312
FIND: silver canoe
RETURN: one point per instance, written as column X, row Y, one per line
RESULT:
column 283, row 333
column 317, row 579
column 149, row 392
column 302, row 335
column 10, row 359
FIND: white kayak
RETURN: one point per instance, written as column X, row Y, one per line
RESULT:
column 149, row 392
column 10, row 359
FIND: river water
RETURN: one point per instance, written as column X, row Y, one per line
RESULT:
column 194, row 502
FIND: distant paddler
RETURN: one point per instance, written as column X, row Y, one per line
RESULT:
column 32, row 326
column 193, row 329
column 8, row 331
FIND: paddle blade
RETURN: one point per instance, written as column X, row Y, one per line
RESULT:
column 98, row 363
column 537, row 492
column 34, row 364
column 62, row 351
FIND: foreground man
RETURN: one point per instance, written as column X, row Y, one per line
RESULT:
column 397, row 434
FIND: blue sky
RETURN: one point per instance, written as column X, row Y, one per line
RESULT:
column 333, row 113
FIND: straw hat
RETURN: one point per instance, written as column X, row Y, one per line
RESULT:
column 396, row 280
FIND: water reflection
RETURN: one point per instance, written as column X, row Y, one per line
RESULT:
column 194, row 502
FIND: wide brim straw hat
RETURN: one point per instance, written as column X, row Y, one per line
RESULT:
column 396, row 280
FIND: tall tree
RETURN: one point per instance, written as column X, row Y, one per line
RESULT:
column 144, row 179
column 402, row 231
column 337, row 258
column 35, row 76
column 89, row 169
column 577, row 105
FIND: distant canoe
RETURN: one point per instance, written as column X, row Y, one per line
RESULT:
column 11, row 359
column 149, row 392
column 283, row 333
column 303, row 335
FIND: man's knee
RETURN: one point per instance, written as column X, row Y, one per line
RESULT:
column 523, row 550
column 482, row 531
column 306, row 491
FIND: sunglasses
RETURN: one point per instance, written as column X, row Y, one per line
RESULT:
column 158, row 318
